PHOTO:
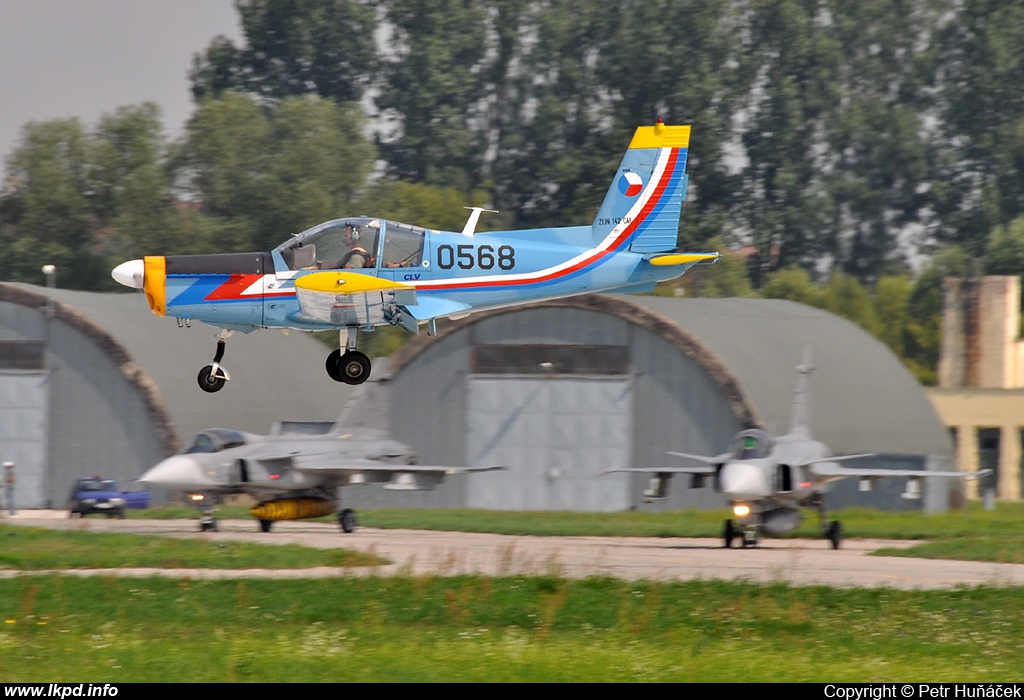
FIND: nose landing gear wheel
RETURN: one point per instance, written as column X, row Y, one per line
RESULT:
column 351, row 368
column 347, row 520
column 208, row 381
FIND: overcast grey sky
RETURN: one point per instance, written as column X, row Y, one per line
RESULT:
column 85, row 58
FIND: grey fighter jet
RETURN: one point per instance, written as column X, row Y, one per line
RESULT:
column 766, row 480
column 292, row 475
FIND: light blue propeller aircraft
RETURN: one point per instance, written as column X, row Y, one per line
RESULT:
column 363, row 272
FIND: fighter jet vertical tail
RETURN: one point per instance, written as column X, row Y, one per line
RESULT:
column 800, row 421
column 646, row 196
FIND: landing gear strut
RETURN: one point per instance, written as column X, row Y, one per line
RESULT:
column 350, row 367
column 832, row 531
column 212, row 377
column 207, row 521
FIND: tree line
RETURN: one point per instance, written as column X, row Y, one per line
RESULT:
column 845, row 139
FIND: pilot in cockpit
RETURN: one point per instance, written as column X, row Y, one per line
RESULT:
column 357, row 257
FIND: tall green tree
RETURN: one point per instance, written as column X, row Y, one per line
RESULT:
column 298, row 47
column 263, row 173
column 47, row 214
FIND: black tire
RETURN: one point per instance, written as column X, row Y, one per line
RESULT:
column 835, row 534
column 121, row 514
column 347, row 520
column 730, row 534
column 354, row 367
column 265, row 525
column 208, row 382
column 333, row 365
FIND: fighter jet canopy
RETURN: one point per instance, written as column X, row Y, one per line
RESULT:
column 751, row 444
column 214, row 440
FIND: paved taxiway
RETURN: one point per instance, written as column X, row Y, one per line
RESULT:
column 799, row 562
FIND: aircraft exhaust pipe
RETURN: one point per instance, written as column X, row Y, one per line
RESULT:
column 292, row 509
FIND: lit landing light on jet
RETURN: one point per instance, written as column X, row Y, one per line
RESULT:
column 130, row 274
column 177, row 473
column 744, row 482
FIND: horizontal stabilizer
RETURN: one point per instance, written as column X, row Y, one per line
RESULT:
column 667, row 259
column 428, row 307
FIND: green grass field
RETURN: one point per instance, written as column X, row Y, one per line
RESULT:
column 57, row 628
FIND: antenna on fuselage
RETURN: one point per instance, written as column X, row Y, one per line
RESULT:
column 474, row 216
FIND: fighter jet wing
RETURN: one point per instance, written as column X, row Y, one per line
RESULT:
column 714, row 461
column 707, row 470
column 328, row 463
column 831, row 469
column 395, row 477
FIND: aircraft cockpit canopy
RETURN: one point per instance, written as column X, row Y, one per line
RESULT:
column 214, row 441
column 354, row 242
column 751, row 444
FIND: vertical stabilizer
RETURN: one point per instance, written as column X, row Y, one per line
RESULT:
column 647, row 193
column 800, row 425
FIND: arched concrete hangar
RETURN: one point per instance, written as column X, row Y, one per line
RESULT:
column 95, row 383
column 562, row 390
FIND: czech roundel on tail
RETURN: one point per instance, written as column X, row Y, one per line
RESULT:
column 364, row 272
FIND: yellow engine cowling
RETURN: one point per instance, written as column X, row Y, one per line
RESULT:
column 292, row 509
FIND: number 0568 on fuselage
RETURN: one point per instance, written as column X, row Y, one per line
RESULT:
column 363, row 272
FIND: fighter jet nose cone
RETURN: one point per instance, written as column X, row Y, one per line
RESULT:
column 130, row 274
column 744, row 482
column 175, row 473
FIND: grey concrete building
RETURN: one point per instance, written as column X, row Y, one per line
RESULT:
column 562, row 390
column 95, row 383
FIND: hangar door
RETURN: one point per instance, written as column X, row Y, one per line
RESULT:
column 23, row 411
column 555, row 424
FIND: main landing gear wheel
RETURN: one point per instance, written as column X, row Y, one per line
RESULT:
column 347, row 520
column 353, row 367
column 208, row 524
column 208, row 381
column 835, row 534
column 265, row 525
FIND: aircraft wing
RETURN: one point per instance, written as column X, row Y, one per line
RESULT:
column 350, row 298
column 830, row 469
column 714, row 461
column 700, row 471
column 395, row 477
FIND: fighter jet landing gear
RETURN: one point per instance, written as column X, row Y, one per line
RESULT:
column 207, row 521
column 350, row 367
column 832, row 531
column 212, row 377
column 748, row 535
column 347, row 520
